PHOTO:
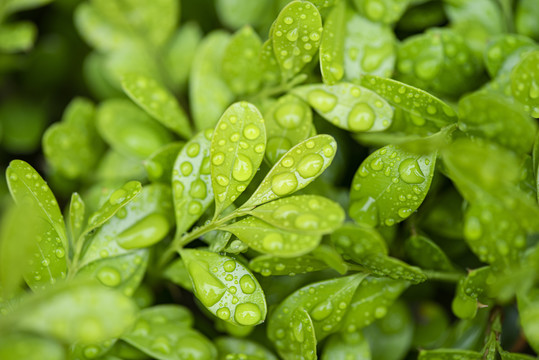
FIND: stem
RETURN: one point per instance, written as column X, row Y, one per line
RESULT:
column 180, row 241
column 443, row 276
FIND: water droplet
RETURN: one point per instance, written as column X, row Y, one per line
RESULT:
column 404, row 212
column 410, row 171
column 223, row 313
column 288, row 20
column 284, row 184
column 251, row 132
column 307, row 222
column 193, row 149
column 145, row 232
column 365, row 211
column 247, row 284
column 234, row 137
column 209, row 290
column 297, row 331
column 283, row 212
column 272, row 242
column 322, row 310
column 91, row 352
column 287, row 162
column 161, row 345
column 426, row 69
column 534, row 90
column 229, row 265
column 198, row 189
column 292, row 35
column 247, row 314
column 380, row 312
column 361, row 117
column 109, row 276
column 60, row 253
column 322, row 100
column 377, row 164
column 178, row 189
column 259, row 148
column 117, row 197
column 310, row 165
column 195, row 208
column 243, row 168
column 472, row 228
column 314, row 36
column 289, row 115
column 218, row 159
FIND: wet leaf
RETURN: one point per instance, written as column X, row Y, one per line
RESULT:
column 237, row 149
column 348, row 106
column 272, row 265
column 346, row 346
column 159, row 165
column 178, row 274
column 449, row 354
column 77, row 213
column 30, row 347
column 242, row 347
column 525, row 83
column 385, row 11
column 332, row 45
column 528, row 306
column 427, row 254
column 225, row 287
column 158, row 102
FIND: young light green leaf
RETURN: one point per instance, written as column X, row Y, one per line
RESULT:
column 499, row 119
column 371, row 301
column 129, row 130
column 500, row 48
column 117, row 168
column 525, row 83
column 390, row 185
column 269, row 239
column 346, row 346
column 160, row 164
column 296, row 36
column 158, row 102
column 427, row 254
column 238, row 13
column 348, row 106
column 191, row 181
column 77, row 213
column 180, row 52
column 225, row 287
column 326, row 303
column 139, row 222
column 178, row 274
column 242, row 347
column 528, row 307
column 369, row 47
column 83, row 314
column 449, row 354
column 332, row 45
column 241, row 70
column 28, row 188
column 469, row 289
column 384, row 11
column 271, row 265
column 411, row 99
column 164, row 333
column 296, row 169
column 237, row 149
column 525, row 16
column 288, row 122
column 271, row 73
column 298, row 339
column 209, row 94
column 18, row 36
column 30, row 347
column 310, row 214
column 73, row 146
column 123, row 272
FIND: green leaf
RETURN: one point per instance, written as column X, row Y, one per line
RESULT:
column 393, row 268
column 164, row 333
column 271, row 73
column 296, row 169
column 271, row 265
column 288, row 122
column 237, row 13
column 30, row 347
column 506, row 355
column 117, row 200
column 369, row 47
column 357, row 241
column 241, row 70
column 499, row 119
column 502, row 47
column 371, row 301
column 118, row 168
column 237, row 149
column 310, row 214
column 331, row 257
column 384, row 11
column 427, row 254
column 390, row 185
column 469, row 290
column 13, row 6
column 528, row 307
column 332, row 45
column 269, row 239
column 449, row 354
column 131, row 223
column 326, row 303
column 85, row 314
column 346, row 346
column 191, row 181
column 348, row 106
column 158, row 102
column 225, row 287
column 160, row 164
column 525, row 17
column 296, row 36
column 525, row 83
column 242, row 347
column 15, row 37
column 77, row 213
column 209, row 94
column 180, row 53
column 411, row 99
column 73, row 146
column 129, row 130
column 178, row 274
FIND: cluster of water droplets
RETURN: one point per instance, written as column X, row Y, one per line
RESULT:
column 268, row 265
column 525, row 83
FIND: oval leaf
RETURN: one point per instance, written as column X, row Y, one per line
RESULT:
column 332, row 45
column 159, row 165
column 271, row 265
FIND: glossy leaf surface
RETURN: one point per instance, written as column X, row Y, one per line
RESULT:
column 525, row 83
column 348, row 106
column 241, row 348
column 159, row 165
column 385, row 11
column 346, row 346
column 77, row 213
column 225, row 287
column 28, row 347
column 237, row 149
column 271, row 265
column 332, row 45
column 427, row 254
